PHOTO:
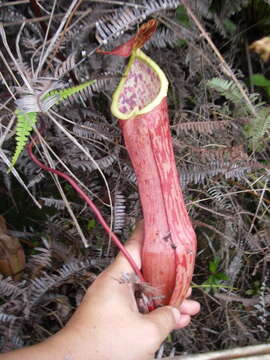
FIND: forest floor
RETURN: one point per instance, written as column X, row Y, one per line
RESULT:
column 51, row 245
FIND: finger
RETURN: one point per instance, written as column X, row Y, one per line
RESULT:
column 133, row 245
column 162, row 321
column 189, row 292
column 189, row 307
column 109, row 284
column 184, row 321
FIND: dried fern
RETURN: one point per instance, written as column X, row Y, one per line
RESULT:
column 91, row 130
column 43, row 259
column 9, row 14
column 36, row 179
column 110, row 27
column 203, row 127
column 7, row 319
column 46, row 283
column 56, row 203
column 8, row 288
column 119, row 212
column 221, row 201
column 163, row 38
column 197, row 174
column 129, row 174
column 65, row 66
column 233, row 153
column 106, row 82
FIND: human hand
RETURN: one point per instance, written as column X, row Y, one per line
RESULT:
column 107, row 325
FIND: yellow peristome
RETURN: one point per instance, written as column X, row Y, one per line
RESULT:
column 138, row 54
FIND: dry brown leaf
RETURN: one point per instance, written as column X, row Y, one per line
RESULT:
column 262, row 47
column 12, row 258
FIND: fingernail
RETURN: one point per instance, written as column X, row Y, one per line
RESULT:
column 176, row 314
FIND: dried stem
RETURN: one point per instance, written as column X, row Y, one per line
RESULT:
column 255, row 352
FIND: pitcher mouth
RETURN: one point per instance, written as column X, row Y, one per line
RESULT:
column 141, row 89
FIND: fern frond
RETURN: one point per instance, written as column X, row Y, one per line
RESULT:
column 200, row 174
column 57, row 203
column 110, row 27
column 119, row 211
column 204, row 127
column 91, row 130
column 129, row 174
column 106, row 82
column 228, row 89
column 43, row 259
column 162, row 38
column 102, row 163
column 220, row 200
column 25, row 124
column 66, row 65
column 9, row 288
column 36, row 179
column 68, row 92
column 230, row 153
column 7, row 319
column 27, row 120
column 40, row 286
column 259, row 127
column 73, row 268
column 9, row 14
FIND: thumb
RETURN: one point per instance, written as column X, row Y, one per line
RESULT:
column 165, row 320
column 133, row 245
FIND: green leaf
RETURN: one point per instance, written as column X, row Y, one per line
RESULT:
column 213, row 265
column 259, row 80
column 91, row 224
column 65, row 93
column 25, row 124
column 26, row 121
column 182, row 16
column 229, row 26
column 221, row 276
column 260, row 126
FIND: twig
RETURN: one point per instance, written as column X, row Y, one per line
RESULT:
column 200, row 223
column 38, row 19
column 259, row 351
column 245, row 301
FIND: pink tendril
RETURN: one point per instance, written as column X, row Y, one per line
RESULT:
column 92, row 206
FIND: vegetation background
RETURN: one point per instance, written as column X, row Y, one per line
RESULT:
column 51, row 246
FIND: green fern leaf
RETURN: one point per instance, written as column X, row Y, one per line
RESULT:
column 25, row 124
column 227, row 89
column 259, row 127
column 230, row 91
column 65, row 93
column 26, row 120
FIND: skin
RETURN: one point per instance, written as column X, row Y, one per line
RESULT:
column 107, row 324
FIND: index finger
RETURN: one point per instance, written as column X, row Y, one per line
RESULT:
column 134, row 246
column 108, row 284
